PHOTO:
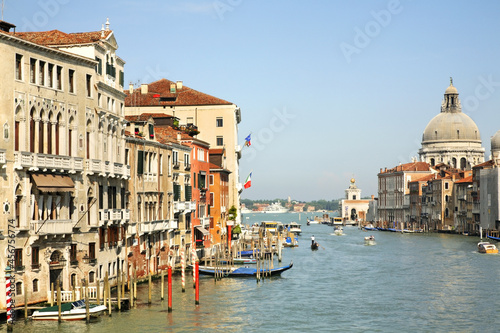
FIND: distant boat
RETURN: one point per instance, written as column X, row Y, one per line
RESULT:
column 275, row 208
column 370, row 240
column 246, row 211
column 243, row 271
column 69, row 311
column 339, row 231
column 314, row 246
column 293, row 227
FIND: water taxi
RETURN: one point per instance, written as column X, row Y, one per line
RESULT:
column 370, row 240
column 293, row 228
column 486, row 247
column 69, row 311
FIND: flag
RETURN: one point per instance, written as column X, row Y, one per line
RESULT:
column 247, row 140
column 248, row 182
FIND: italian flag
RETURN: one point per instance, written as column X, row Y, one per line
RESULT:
column 248, row 182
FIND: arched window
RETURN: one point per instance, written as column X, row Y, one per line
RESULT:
column 35, row 285
column 32, row 130
column 91, row 277
column 19, row 288
column 463, row 163
column 70, row 136
column 454, row 162
column 446, row 213
column 41, row 132
column 49, row 133
column 432, row 162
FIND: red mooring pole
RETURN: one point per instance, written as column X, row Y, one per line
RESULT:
column 197, row 283
column 169, row 288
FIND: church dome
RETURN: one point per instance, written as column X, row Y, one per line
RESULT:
column 451, row 124
column 448, row 126
column 495, row 142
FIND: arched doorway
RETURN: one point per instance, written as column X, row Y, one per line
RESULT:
column 354, row 214
column 56, row 266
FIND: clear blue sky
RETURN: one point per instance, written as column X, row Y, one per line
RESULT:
column 328, row 89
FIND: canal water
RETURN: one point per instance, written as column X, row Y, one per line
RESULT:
column 406, row 282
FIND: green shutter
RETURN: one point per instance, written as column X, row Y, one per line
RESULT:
column 188, row 192
column 177, row 192
column 140, row 162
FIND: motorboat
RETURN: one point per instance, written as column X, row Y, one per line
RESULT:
column 339, row 231
column 294, row 228
column 69, row 311
column 487, row 247
column 370, row 240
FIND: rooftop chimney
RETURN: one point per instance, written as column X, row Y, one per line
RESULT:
column 172, row 88
column 131, row 88
column 144, row 89
column 179, row 85
column 6, row 26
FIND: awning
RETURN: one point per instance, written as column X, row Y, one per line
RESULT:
column 53, row 183
column 202, row 230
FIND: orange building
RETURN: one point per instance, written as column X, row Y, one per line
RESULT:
column 219, row 201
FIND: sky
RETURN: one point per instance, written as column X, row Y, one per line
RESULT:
column 328, row 89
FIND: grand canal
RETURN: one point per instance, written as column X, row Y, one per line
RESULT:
column 406, row 282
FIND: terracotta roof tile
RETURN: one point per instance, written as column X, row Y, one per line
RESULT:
column 413, row 166
column 159, row 94
column 56, row 37
column 465, row 180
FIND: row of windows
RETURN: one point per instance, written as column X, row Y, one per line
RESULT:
column 49, row 75
column 219, row 122
column 35, row 255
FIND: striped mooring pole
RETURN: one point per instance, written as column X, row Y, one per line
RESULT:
column 8, row 294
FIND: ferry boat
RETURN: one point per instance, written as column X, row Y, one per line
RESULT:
column 294, row 228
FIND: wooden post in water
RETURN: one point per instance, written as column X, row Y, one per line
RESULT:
column 25, row 301
column 109, row 295
column 105, row 290
column 118, row 290
column 131, row 292
column 169, row 288
column 52, row 294
column 98, row 292
column 149, row 287
column 162, row 286
column 124, row 279
column 73, row 292
column 87, row 305
column 197, row 289
column 58, row 301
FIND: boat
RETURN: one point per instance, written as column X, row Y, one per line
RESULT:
column 242, row 261
column 370, row 240
column 487, row 247
column 312, row 221
column 294, row 228
column 243, row 271
column 246, row 254
column 339, row 231
column 337, row 221
column 369, row 227
column 314, row 246
column 291, row 242
column 69, row 311
column 275, row 208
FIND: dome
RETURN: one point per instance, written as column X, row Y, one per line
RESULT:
column 448, row 126
column 451, row 90
column 495, row 142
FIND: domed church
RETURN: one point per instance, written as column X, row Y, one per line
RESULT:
column 452, row 137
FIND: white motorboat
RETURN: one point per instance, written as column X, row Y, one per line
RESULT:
column 370, row 240
column 339, row 231
column 69, row 311
column 294, row 228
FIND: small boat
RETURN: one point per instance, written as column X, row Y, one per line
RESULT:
column 486, row 247
column 312, row 221
column 370, row 240
column 243, row 271
column 369, row 227
column 294, row 228
column 339, row 231
column 69, row 311
column 246, row 254
column 314, row 246
column 291, row 242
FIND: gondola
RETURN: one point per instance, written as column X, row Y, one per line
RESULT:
column 243, row 271
column 314, row 246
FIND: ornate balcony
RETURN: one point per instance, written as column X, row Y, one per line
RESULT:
column 36, row 161
column 184, row 206
column 157, row 226
column 51, row 227
column 111, row 216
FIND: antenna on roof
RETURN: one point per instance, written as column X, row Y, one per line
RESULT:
column 2, row 8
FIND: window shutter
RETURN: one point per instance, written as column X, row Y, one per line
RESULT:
column 140, row 162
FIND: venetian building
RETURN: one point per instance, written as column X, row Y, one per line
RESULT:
column 452, row 137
